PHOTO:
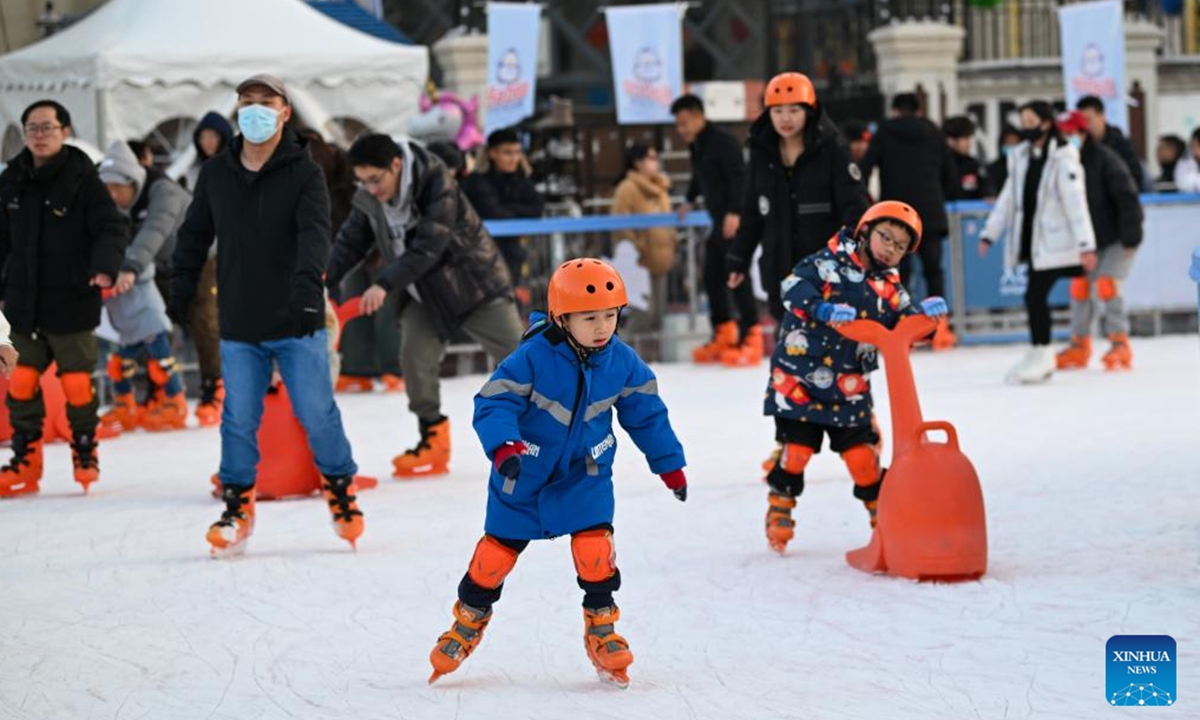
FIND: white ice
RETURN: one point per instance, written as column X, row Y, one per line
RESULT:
column 111, row 608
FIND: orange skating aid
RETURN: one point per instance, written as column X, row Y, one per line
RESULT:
column 943, row 338
column 931, row 522
column 608, row 651
column 1075, row 355
column 456, row 644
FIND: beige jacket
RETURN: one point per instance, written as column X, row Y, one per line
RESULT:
column 640, row 194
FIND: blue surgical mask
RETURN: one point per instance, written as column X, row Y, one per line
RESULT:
column 257, row 122
column 1007, row 150
column 1076, row 141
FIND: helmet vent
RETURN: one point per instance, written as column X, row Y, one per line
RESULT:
column 591, row 289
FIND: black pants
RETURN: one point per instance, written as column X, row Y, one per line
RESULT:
column 930, row 252
column 1037, row 295
column 812, row 435
column 716, row 277
column 596, row 595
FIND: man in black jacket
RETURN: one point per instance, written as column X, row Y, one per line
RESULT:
column 503, row 193
column 432, row 251
column 1117, row 221
column 1099, row 130
column 63, row 240
column 265, row 201
column 916, row 167
column 719, row 176
column 970, row 175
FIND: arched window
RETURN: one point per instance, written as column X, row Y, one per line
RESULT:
column 170, row 139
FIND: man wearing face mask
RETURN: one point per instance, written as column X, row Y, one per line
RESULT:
column 1117, row 220
column 266, row 202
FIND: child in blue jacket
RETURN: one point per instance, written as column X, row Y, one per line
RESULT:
column 819, row 382
column 545, row 420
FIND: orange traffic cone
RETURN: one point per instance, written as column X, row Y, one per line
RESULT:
column 931, row 521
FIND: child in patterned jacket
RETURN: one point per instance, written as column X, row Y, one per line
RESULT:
column 818, row 383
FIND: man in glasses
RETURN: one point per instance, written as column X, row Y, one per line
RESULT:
column 425, row 245
column 265, row 201
column 63, row 240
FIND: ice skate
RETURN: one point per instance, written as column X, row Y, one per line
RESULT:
column 1119, row 356
column 456, row 644
column 228, row 535
column 724, row 338
column 23, row 471
column 83, row 456
column 608, row 651
column 212, row 400
column 1075, row 355
column 124, row 414
column 1035, row 367
column 347, row 518
column 780, row 526
column 431, row 456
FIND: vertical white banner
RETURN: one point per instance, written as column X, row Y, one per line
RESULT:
column 647, row 59
column 512, row 62
column 1093, row 56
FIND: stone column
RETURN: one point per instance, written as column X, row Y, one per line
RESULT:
column 920, row 52
column 1142, row 40
column 463, row 59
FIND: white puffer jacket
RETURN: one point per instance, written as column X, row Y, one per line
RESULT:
column 1062, row 227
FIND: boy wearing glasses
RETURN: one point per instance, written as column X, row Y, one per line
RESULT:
column 818, row 383
column 63, row 240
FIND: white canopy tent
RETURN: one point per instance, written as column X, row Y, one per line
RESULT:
column 135, row 64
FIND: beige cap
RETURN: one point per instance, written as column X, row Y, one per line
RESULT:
column 266, row 80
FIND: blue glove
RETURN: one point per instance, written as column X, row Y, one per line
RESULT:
column 934, row 307
column 840, row 313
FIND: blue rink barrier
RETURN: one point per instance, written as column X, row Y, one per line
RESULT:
column 986, row 301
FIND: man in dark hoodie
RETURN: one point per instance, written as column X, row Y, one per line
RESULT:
column 425, row 247
column 210, row 138
column 917, row 167
column 63, row 240
column 265, row 202
column 503, row 192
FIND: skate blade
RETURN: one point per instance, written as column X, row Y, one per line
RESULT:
column 231, row 551
column 617, row 678
column 434, row 677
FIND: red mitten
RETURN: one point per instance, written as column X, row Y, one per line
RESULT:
column 676, row 481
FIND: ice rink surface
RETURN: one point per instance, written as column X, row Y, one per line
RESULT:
column 111, row 608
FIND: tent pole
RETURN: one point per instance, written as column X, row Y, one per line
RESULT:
column 101, row 120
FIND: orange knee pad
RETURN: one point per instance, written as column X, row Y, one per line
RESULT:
column 491, row 563
column 77, row 387
column 160, row 370
column 1081, row 288
column 1107, row 288
column 794, row 458
column 594, row 553
column 863, row 464
column 25, row 383
column 120, row 368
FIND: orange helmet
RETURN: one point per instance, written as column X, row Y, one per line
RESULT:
column 585, row 285
column 895, row 211
column 790, row 88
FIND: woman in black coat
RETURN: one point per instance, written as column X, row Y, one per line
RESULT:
column 802, row 187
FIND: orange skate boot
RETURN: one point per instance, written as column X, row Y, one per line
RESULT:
column 22, row 473
column 212, row 400
column 1075, row 355
column 343, row 503
column 170, row 414
column 456, row 644
column 431, row 456
column 1119, row 356
column 780, row 526
column 724, row 338
column 608, row 651
column 124, row 414
column 228, row 535
column 83, row 456
column 749, row 352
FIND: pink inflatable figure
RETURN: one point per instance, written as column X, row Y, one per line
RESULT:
column 446, row 116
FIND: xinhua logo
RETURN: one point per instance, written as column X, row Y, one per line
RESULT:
column 1140, row 670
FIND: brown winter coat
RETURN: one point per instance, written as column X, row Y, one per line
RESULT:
column 640, row 194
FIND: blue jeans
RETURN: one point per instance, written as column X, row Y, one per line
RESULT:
column 304, row 365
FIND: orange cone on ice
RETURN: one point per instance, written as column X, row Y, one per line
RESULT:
column 931, row 523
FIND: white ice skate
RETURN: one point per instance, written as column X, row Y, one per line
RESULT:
column 1035, row 367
